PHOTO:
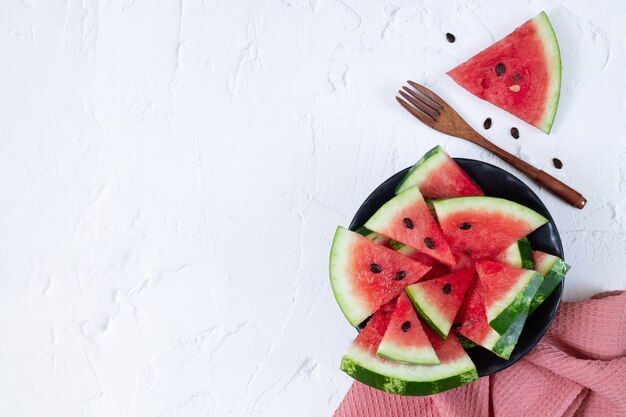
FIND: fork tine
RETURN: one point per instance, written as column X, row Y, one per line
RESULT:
column 423, row 117
column 429, row 108
column 434, row 98
column 419, row 105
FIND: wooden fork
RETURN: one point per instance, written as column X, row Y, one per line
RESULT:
column 431, row 110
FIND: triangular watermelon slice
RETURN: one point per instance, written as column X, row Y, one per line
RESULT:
column 365, row 275
column 406, row 218
column 482, row 227
column 471, row 322
column 405, row 340
column 438, row 300
column 507, row 292
column 519, row 255
column 520, row 73
column 438, row 176
column 363, row 364
column 553, row 270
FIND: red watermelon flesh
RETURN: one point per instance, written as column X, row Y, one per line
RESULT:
column 438, row 300
column 370, row 337
column 437, row 269
column 472, row 318
column 405, row 340
column 528, row 81
column 365, row 275
column 463, row 260
column 407, row 219
column 438, row 176
column 482, row 227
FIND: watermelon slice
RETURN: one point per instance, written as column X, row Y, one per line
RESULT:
column 507, row 292
column 363, row 364
column 520, row 73
column 439, row 299
column 518, row 255
column 482, row 227
column 471, row 323
column 405, row 340
column 438, row 176
column 553, row 270
column 406, row 218
column 365, row 275
column 437, row 269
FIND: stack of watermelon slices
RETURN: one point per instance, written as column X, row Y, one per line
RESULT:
column 438, row 267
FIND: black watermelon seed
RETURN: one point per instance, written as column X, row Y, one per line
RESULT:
column 447, row 288
column 499, row 69
column 428, row 242
column 456, row 325
column 399, row 276
column 515, row 132
column 406, row 326
column 557, row 163
column 450, row 37
column 408, row 223
column 487, row 123
column 375, row 268
column 465, row 226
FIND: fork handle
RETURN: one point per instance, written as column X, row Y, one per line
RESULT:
column 562, row 190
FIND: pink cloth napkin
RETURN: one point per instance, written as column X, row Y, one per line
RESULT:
column 577, row 369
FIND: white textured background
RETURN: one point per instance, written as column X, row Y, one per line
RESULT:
column 171, row 174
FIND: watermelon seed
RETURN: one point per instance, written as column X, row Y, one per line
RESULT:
column 557, row 163
column 467, row 252
column 499, row 69
column 399, row 275
column 428, row 242
column 408, row 223
column 375, row 268
column 465, row 226
column 515, row 132
column 450, row 37
column 406, row 326
column 515, row 88
column 447, row 288
column 487, row 123
column 456, row 325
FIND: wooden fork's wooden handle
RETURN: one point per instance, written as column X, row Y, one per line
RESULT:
column 562, row 190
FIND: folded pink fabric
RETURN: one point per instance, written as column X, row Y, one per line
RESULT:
column 577, row 369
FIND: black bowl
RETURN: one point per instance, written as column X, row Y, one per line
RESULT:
column 494, row 182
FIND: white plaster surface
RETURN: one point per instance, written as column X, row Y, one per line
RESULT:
column 172, row 173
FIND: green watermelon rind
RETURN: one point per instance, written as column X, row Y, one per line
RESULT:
column 553, row 60
column 354, row 313
column 422, row 168
column 507, row 342
column 465, row 342
column 489, row 204
column 526, row 253
column 409, row 380
column 437, row 324
column 551, row 280
column 520, row 304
